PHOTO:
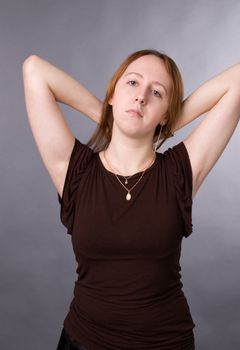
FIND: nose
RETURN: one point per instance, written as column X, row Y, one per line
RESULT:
column 140, row 99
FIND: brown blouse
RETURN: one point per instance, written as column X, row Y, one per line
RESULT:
column 128, row 294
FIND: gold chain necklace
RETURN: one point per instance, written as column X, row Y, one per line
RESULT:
column 128, row 196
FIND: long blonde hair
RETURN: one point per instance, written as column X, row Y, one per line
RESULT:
column 103, row 134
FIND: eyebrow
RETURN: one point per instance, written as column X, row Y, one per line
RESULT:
column 155, row 82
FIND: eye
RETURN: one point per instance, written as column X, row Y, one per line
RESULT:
column 156, row 93
column 132, row 82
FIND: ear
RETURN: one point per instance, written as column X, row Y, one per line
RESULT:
column 110, row 101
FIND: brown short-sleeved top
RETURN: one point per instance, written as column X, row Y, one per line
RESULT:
column 128, row 294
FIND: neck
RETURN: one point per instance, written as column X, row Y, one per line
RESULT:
column 127, row 156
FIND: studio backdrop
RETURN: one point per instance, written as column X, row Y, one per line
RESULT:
column 89, row 39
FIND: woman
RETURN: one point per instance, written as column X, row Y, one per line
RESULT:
column 127, row 206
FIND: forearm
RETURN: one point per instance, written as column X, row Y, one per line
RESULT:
column 65, row 88
column 207, row 95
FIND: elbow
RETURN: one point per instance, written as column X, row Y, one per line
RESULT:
column 237, row 70
column 233, row 76
column 30, row 63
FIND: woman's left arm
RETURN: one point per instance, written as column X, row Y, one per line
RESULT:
column 220, row 97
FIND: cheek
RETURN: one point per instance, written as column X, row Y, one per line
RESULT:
column 160, row 109
column 118, row 101
column 157, row 112
column 116, row 106
column 157, row 115
column 114, row 99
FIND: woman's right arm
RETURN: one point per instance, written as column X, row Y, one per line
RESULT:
column 44, row 86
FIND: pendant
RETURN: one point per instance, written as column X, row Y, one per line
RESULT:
column 126, row 181
column 128, row 197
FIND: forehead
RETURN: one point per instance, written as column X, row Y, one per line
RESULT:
column 151, row 67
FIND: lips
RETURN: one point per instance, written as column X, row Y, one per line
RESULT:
column 135, row 112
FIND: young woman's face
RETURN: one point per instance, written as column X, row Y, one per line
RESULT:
column 141, row 97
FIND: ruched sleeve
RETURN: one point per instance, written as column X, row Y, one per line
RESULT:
column 80, row 156
column 181, row 170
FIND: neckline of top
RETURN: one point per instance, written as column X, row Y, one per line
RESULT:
column 132, row 176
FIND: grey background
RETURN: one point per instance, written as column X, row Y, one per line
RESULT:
column 89, row 39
